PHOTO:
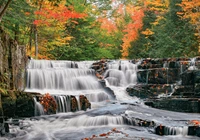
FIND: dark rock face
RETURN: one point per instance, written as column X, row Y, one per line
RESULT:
column 9, row 104
column 24, row 105
column 18, row 104
column 141, row 91
column 176, row 79
column 178, row 104
column 158, row 76
column 149, row 90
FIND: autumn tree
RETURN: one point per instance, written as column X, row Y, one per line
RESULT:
column 50, row 21
column 191, row 11
column 166, row 35
column 174, row 36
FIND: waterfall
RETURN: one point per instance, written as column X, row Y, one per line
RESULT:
column 121, row 73
column 63, row 79
column 176, row 130
column 192, row 64
column 63, row 103
column 95, row 121
column 78, row 102
column 60, row 76
column 39, row 110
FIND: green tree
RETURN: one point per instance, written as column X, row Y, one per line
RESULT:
column 174, row 37
column 171, row 36
column 17, row 19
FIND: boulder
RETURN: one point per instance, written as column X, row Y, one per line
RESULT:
column 139, row 90
column 24, row 105
column 74, row 104
column 84, row 103
column 9, row 104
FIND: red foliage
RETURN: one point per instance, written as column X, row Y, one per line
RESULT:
column 48, row 103
column 49, row 14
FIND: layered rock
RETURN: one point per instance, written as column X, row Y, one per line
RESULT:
column 177, row 80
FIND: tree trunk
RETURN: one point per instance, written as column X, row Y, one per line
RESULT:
column 2, row 12
column 16, row 31
column 10, row 65
column 36, row 42
column 30, row 39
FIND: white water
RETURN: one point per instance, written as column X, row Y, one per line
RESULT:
column 39, row 110
column 63, row 78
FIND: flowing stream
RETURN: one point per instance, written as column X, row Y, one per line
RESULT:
column 64, row 78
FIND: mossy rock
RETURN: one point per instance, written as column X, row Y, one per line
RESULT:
column 1, row 109
column 74, row 104
column 9, row 104
column 24, row 105
column 17, row 103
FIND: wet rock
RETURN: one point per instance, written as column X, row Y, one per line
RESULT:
column 141, row 91
column 194, row 131
column 196, row 76
column 173, row 64
column 179, row 105
column 197, row 90
column 149, row 90
column 24, row 105
column 159, row 130
column 9, row 104
column 190, row 77
column 142, row 76
column 184, row 91
column 17, row 103
column 2, row 128
column 1, row 109
column 84, row 103
column 74, row 104
column 158, row 76
column 100, row 67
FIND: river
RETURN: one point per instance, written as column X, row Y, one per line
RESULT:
column 118, row 117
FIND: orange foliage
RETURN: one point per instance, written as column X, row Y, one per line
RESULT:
column 50, row 14
column 51, row 22
column 191, row 10
column 48, row 103
column 195, row 122
column 132, row 28
column 107, row 24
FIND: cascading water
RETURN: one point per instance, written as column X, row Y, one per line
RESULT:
column 39, row 110
column 62, row 79
column 127, row 114
column 121, row 73
column 63, row 103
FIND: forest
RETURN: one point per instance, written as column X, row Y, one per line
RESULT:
column 112, row 29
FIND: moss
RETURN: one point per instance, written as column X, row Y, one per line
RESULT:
column 24, row 105
column 9, row 104
column 1, row 109
column 17, row 103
